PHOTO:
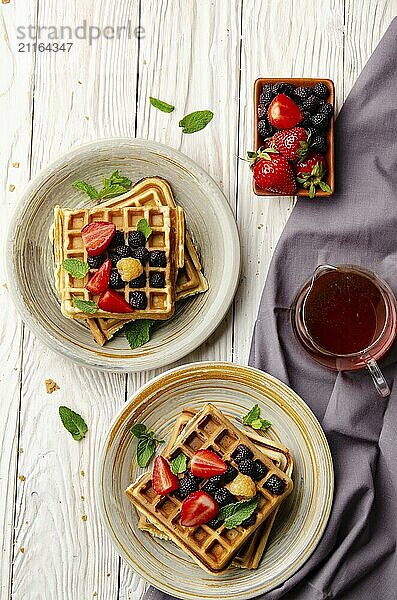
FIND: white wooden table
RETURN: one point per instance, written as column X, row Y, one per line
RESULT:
column 196, row 55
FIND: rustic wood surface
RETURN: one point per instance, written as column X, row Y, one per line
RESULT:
column 196, row 55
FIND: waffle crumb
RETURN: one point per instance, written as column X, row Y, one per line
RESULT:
column 21, row 477
column 129, row 268
column 84, row 517
column 21, row 549
column 11, row 187
column 242, row 486
column 51, row 386
column 15, row 165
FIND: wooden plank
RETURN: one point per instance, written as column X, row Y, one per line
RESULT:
column 190, row 58
column 16, row 82
column 85, row 94
column 280, row 39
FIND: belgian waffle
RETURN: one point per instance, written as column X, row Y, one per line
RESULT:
column 213, row 550
column 68, row 243
column 250, row 554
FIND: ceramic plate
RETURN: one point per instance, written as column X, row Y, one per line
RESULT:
column 30, row 262
column 234, row 389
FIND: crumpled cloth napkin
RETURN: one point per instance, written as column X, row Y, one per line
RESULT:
column 356, row 558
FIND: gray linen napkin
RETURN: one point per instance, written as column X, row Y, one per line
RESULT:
column 356, row 558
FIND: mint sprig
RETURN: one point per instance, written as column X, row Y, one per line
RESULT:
column 77, row 268
column 86, row 306
column 73, row 422
column 147, row 444
column 161, row 105
column 179, row 464
column 254, row 420
column 113, row 186
column 144, row 227
column 234, row 514
column 138, row 332
column 195, row 121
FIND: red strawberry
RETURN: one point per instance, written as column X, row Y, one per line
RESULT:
column 206, row 463
column 99, row 282
column 97, row 236
column 111, row 301
column 283, row 113
column 292, row 143
column 310, row 173
column 272, row 172
column 197, row 509
column 163, row 479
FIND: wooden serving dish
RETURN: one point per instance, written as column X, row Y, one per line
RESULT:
column 329, row 155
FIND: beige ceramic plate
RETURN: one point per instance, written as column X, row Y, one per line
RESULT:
column 30, row 262
column 234, row 389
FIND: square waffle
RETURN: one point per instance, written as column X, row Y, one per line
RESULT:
column 250, row 554
column 68, row 243
column 213, row 550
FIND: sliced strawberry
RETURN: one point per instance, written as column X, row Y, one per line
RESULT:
column 111, row 301
column 283, row 113
column 97, row 236
column 206, row 463
column 163, row 479
column 197, row 509
column 99, row 282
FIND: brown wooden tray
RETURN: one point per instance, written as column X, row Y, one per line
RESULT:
column 329, row 155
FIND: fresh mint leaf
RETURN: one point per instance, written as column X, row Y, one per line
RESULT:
column 117, row 179
column 252, row 415
column 161, row 105
column 195, row 121
column 139, row 430
column 144, row 227
column 86, row 306
column 87, row 189
column 77, row 268
column 179, row 464
column 234, row 514
column 112, row 191
column 145, row 451
column 138, row 332
column 73, row 422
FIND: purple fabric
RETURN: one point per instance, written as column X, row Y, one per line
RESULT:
column 356, row 557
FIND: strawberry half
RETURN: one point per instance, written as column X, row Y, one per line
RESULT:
column 111, row 301
column 292, row 143
column 283, row 113
column 163, row 479
column 272, row 172
column 197, row 509
column 205, row 463
column 99, row 282
column 97, row 236
column 310, row 173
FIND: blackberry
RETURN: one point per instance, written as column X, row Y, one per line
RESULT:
column 313, row 131
column 320, row 120
column 289, row 89
column 214, row 523
column 250, row 521
column 191, row 476
column 123, row 251
column 301, row 93
column 114, row 258
column 327, row 108
column 94, row 262
column 319, row 142
column 306, row 121
column 138, row 282
column 210, row 488
column 217, row 480
column 223, row 497
column 264, row 128
column 115, row 281
column 187, row 486
column 138, row 300
column 247, row 467
column 311, row 104
column 278, row 88
column 231, row 473
column 136, row 239
column 321, row 90
column 267, row 94
column 261, row 110
column 141, row 254
column 260, row 470
column 117, row 239
column 156, row 280
column 242, row 452
column 275, row 485
column 157, row 258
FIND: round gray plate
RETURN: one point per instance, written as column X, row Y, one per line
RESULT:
column 30, row 261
